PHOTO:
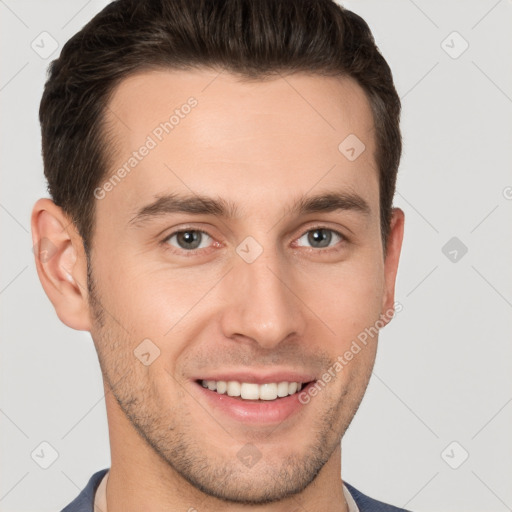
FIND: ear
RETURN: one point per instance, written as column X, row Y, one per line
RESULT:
column 61, row 263
column 392, row 256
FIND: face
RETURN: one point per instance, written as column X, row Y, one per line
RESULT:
column 240, row 251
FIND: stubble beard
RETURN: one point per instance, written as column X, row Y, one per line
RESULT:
column 168, row 433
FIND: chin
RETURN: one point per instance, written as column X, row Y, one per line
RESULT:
column 260, row 484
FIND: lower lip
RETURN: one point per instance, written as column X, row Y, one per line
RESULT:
column 254, row 411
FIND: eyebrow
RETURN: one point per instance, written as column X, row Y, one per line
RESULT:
column 219, row 207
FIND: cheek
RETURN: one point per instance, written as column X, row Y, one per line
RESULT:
column 165, row 305
column 347, row 298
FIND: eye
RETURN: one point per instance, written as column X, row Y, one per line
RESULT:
column 188, row 239
column 320, row 237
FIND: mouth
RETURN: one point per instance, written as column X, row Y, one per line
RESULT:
column 254, row 400
column 252, row 391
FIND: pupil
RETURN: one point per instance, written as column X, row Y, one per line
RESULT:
column 191, row 239
column 320, row 235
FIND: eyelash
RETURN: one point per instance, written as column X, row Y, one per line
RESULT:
column 194, row 252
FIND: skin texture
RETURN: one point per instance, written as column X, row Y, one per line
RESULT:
column 296, row 307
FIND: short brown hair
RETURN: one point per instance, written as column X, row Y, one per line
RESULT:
column 255, row 39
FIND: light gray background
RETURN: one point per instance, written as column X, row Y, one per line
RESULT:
column 444, row 366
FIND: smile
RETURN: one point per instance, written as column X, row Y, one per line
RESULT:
column 251, row 396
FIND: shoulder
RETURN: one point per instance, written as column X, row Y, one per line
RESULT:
column 367, row 504
column 84, row 502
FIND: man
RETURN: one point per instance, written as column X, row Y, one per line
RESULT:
column 222, row 176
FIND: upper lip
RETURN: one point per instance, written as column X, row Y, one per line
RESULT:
column 258, row 377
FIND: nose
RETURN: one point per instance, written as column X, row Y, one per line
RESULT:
column 263, row 301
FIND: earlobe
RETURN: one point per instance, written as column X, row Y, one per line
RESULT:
column 392, row 258
column 60, row 263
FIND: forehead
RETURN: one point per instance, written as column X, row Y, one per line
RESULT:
column 210, row 133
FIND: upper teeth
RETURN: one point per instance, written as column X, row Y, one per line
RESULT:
column 252, row 391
